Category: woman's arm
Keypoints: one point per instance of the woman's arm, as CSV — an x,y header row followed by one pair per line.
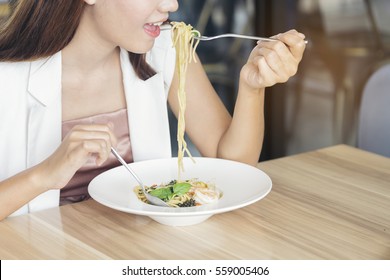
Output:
x,y
213,131
81,143
18,190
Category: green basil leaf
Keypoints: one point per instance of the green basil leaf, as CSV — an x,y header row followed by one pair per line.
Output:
x,y
181,188
161,193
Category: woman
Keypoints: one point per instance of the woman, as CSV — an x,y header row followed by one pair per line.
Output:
x,y
76,81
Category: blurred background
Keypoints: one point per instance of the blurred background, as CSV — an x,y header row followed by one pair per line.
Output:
x,y
319,106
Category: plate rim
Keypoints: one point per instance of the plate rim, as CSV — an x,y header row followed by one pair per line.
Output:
x,y
211,209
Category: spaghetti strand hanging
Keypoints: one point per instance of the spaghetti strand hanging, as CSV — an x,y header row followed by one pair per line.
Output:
x,y
185,45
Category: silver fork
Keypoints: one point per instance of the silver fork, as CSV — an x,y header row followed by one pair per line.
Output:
x,y
168,26
209,38
152,199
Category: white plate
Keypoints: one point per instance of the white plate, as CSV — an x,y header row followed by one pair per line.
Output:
x,y
241,185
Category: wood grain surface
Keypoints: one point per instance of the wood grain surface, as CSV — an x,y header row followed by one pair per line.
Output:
x,y
332,203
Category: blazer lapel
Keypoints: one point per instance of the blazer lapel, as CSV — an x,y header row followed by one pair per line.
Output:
x,y
44,119
45,80
147,113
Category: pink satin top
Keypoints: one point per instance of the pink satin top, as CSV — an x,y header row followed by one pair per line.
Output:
x,y
77,188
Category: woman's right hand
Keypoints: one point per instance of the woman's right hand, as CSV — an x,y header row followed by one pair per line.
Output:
x,y
80,144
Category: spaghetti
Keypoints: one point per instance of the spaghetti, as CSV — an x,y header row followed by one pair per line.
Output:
x,y
189,192
182,194
185,45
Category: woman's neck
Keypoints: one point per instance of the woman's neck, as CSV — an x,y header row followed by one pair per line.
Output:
x,y
91,70
88,51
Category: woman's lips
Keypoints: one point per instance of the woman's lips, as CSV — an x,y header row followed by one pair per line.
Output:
x,y
152,30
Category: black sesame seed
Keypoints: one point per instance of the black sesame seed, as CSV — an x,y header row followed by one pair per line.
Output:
x,y
188,203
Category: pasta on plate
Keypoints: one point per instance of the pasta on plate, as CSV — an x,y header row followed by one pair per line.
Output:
x,y
182,194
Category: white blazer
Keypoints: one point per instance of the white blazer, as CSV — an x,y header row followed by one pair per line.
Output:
x,y
31,118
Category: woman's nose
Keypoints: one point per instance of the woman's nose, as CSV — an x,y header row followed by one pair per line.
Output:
x,y
169,6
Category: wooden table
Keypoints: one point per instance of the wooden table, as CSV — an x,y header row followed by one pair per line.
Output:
x,y
333,203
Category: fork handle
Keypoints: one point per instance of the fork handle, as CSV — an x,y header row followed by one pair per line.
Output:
x,y
123,162
248,37
232,35
206,38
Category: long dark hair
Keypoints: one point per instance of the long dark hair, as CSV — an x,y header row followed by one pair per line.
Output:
x,y
41,28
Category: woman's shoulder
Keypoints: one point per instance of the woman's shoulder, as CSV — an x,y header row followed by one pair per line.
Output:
x,y
13,71
12,66
15,74
18,66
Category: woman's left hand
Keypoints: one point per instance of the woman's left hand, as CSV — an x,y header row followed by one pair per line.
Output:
x,y
273,62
